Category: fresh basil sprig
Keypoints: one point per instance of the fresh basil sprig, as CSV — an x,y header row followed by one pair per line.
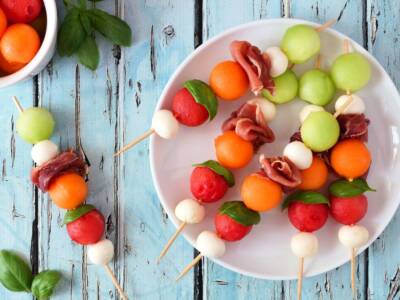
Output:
x,y
16,275
346,188
220,170
305,197
73,214
203,95
77,32
240,213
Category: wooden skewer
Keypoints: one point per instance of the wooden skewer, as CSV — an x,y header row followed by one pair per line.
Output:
x,y
318,61
346,46
324,26
135,141
353,272
115,282
171,241
189,266
349,100
17,104
300,278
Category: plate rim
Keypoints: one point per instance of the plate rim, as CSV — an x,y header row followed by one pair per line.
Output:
x,y
159,105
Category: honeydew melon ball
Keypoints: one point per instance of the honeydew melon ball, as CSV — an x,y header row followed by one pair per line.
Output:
x,y
300,43
350,71
320,131
35,124
286,87
316,87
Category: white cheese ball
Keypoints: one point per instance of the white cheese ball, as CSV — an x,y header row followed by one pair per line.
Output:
x,y
267,108
299,154
43,151
190,211
210,245
165,124
355,105
353,236
306,110
304,244
279,61
100,253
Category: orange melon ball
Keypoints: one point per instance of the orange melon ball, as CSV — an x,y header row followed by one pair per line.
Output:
x,y
350,158
8,68
232,151
315,176
68,191
260,193
228,80
20,43
3,22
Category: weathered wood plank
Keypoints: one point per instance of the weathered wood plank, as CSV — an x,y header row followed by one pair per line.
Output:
x,y
383,42
163,37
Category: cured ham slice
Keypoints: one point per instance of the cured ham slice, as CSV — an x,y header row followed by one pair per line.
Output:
x,y
281,170
353,126
256,65
66,162
249,123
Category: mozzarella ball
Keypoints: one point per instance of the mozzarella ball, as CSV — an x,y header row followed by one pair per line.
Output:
x,y
279,61
306,110
267,108
299,154
190,211
353,236
304,244
210,245
165,124
43,151
100,253
355,105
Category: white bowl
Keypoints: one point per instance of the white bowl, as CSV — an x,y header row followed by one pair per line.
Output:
x,y
265,252
45,52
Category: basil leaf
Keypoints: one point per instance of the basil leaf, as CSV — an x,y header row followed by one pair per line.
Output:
x,y
240,213
15,274
345,188
112,27
71,33
76,213
88,53
203,95
44,283
305,197
220,170
85,21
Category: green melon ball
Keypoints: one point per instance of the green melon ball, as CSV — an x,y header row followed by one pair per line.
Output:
x,y
320,131
300,43
350,71
286,86
35,124
316,87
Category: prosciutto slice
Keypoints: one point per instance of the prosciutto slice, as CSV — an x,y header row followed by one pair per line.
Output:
x,y
256,65
249,123
353,126
67,162
281,170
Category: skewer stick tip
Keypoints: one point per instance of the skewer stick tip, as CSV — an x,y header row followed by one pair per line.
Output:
x,y
300,278
17,104
170,242
326,25
115,282
189,266
134,142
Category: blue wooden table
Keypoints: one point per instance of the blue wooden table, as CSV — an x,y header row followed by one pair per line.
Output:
x,y
102,110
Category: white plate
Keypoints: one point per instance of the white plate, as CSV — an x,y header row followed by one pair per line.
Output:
x,y
265,252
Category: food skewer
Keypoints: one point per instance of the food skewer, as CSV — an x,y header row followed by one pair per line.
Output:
x,y
326,25
188,211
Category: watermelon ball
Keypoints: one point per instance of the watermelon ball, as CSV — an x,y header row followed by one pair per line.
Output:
x,y
206,185
348,210
187,111
230,230
307,217
87,228
21,11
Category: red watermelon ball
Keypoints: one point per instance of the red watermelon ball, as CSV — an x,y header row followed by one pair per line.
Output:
x,y
350,210
206,185
88,229
21,11
307,217
230,230
187,111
